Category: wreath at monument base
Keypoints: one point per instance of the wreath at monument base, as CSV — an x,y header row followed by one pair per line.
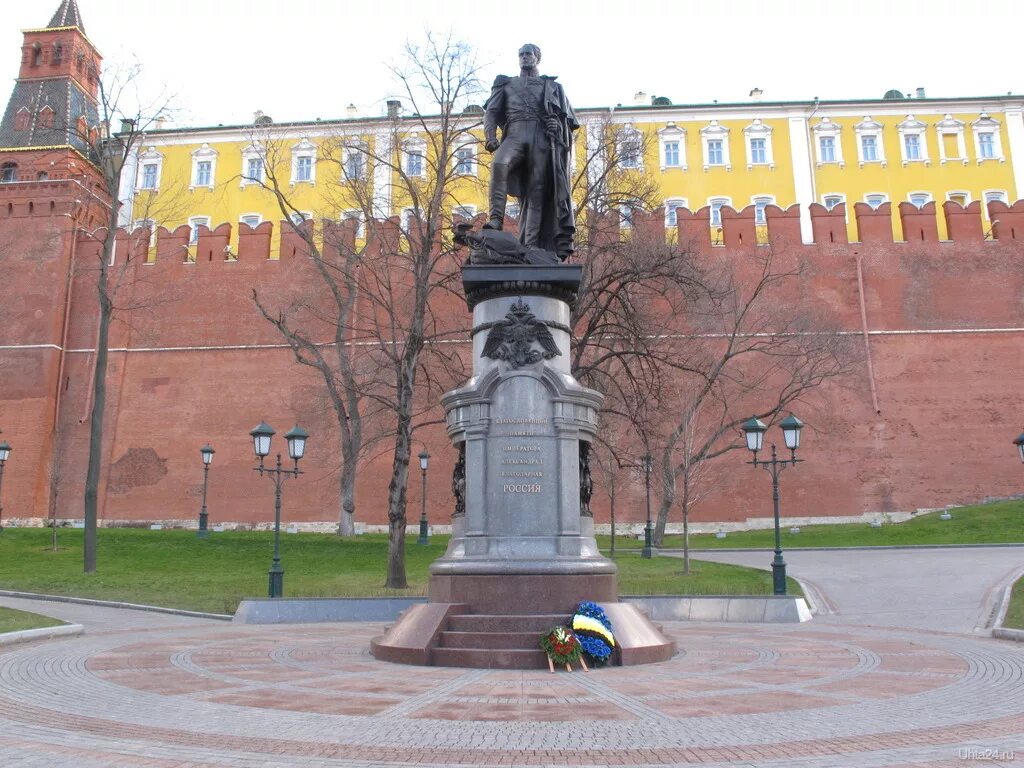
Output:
x,y
589,638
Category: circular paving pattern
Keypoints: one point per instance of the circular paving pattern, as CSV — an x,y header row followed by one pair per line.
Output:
x,y
817,694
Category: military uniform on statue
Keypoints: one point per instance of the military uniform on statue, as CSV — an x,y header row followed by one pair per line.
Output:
x,y
522,554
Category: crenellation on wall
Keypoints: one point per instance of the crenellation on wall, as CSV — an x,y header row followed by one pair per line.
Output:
x,y
963,223
738,227
874,225
919,222
1007,220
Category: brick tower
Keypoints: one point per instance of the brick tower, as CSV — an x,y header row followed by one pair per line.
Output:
x,y
50,192
52,112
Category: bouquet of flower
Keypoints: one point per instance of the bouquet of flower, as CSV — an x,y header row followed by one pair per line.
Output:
x,y
561,645
594,632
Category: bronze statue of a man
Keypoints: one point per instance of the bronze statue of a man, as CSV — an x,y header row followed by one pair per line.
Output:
x,y
531,162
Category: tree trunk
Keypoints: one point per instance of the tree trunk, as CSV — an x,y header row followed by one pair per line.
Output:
x,y
397,489
346,517
668,496
686,524
99,401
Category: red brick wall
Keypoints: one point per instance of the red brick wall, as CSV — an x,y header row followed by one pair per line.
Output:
x,y
196,363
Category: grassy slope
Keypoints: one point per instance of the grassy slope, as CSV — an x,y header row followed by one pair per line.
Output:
x,y
1015,612
15,621
175,569
1001,522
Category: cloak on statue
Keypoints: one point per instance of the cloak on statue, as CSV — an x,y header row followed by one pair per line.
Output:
x,y
558,225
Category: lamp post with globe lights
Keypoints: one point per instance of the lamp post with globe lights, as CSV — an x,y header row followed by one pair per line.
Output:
x,y
754,430
207,453
424,532
296,437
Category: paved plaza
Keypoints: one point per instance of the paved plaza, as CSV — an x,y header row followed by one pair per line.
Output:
x,y
147,689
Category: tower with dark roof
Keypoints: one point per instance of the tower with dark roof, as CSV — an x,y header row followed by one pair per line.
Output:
x,y
53,108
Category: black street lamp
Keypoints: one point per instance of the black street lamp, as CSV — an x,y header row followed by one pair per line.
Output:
x,y
5,451
296,438
648,551
207,453
424,461
754,430
1019,442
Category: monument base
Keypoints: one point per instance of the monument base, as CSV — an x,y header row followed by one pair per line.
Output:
x,y
523,593
487,621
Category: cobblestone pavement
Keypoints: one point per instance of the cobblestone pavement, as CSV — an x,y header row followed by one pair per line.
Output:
x,y
144,689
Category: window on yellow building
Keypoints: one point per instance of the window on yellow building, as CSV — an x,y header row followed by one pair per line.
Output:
x,y
251,220
912,146
875,200
869,148
961,198
760,203
919,199
831,201
716,204
671,154
672,140
987,145
356,216
671,208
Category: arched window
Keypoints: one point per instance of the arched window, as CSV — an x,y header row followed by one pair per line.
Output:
x,y
58,54
37,54
8,172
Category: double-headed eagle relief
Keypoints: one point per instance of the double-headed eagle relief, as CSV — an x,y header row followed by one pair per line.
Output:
x,y
513,338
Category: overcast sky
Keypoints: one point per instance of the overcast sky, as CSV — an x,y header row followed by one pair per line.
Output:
x,y
303,59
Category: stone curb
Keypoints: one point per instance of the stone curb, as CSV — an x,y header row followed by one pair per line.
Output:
x,y
998,630
26,635
114,604
765,609
839,549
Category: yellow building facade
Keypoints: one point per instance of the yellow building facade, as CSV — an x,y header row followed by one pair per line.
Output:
x,y
755,153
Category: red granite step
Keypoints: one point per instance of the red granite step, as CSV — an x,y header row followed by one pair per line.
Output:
x,y
491,640
478,622
484,658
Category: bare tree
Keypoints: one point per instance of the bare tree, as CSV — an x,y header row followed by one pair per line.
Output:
x,y
751,345
119,104
389,279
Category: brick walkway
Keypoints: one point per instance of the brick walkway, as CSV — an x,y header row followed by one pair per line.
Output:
x,y
144,689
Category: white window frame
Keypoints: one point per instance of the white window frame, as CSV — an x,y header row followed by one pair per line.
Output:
x,y
825,197
959,192
672,205
350,150
513,210
870,127
946,126
414,146
767,200
244,216
672,133
723,201
205,154
305,149
408,214
919,193
193,225
629,136
151,223
758,130
150,158
711,132
985,124
827,129
467,212
354,214
1003,197
253,152
300,217
883,201
909,127
473,160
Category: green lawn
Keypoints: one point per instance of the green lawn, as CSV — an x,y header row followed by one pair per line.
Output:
x,y
998,523
1015,612
178,570
15,621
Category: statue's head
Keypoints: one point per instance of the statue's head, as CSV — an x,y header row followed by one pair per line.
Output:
x,y
529,56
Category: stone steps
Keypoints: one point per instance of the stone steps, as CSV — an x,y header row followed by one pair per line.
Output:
x,y
491,640
479,622
482,658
